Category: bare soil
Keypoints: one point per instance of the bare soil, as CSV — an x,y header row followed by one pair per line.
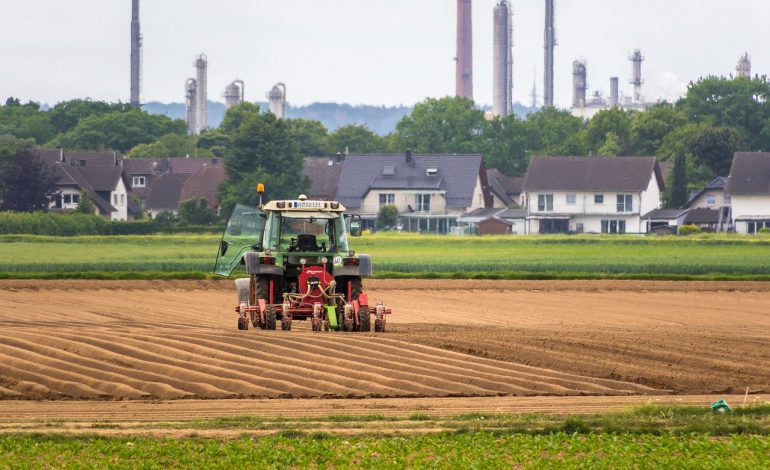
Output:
x,y
116,340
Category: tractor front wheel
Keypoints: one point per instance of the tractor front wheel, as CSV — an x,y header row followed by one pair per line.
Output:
x,y
269,317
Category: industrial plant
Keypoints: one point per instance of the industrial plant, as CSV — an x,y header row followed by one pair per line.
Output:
x,y
585,107
502,90
464,59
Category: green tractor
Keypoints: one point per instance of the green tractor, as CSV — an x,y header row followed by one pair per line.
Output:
x,y
300,267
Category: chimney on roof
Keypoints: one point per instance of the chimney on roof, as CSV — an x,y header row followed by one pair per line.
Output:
x,y
340,157
409,157
61,155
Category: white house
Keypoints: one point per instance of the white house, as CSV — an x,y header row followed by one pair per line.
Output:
x,y
591,194
749,190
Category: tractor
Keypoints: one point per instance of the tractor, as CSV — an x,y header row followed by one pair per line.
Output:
x,y
299,267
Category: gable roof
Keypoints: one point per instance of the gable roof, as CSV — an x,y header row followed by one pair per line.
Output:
x,y
102,178
324,175
139,166
166,191
717,184
750,174
592,174
702,216
80,159
72,175
189,165
205,183
664,214
456,175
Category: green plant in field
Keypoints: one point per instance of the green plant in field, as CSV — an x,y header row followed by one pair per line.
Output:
x,y
688,230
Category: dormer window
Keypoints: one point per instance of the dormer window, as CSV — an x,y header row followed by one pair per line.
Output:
x,y
431,172
139,181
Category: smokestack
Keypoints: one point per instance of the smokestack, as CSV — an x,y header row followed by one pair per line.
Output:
x,y
201,93
614,91
579,84
550,43
464,72
636,74
191,107
502,88
136,55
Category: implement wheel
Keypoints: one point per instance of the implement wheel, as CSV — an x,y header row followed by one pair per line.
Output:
x,y
364,320
285,323
269,317
243,324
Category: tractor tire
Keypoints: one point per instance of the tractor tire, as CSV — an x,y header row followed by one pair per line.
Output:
x,y
379,327
364,320
285,324
243,324
356,287
269,317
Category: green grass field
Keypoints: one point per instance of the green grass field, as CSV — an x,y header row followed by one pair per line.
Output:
x,y
532,257
648,437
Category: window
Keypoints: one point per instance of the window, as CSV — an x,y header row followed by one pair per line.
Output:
x,y
545,202
579,227
422,202
67,199
711,200
139,181
598,198
122,198
76,198
625,203
387,199
571,198
613,226
114,198
431,172
755,227
728,199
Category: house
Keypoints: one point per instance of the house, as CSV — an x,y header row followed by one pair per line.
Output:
x,y
492,221
165,193
204,184
591,194
430,191
506,190
749,190
664,221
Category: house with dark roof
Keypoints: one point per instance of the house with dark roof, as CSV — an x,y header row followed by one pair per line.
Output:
x,y
749,190
591,194
430,191
324,175
506,190
204,184
99,174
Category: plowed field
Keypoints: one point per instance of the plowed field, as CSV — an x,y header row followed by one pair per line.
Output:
x,y
171,340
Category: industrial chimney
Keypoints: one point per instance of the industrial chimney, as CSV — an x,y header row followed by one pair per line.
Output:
x,y
636,74
190,103
579,84
277,100
464,66
614,91
502,90
201,93
550,44
136,55
744,66
234,93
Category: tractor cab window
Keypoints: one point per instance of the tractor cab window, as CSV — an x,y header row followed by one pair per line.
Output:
x,y
306,232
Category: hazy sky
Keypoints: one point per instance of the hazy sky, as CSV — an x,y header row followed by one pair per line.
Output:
x,y
363,51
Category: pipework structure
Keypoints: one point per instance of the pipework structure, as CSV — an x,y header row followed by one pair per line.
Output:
x,y
614,91
277,100
636,74
502,87
579,83
464,58
550,44
201,96
234,93
744,66
190,105
136,56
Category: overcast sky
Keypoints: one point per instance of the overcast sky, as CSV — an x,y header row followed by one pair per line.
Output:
x,y
363,51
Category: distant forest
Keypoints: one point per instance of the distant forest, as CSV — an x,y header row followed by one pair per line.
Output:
x,y
380,119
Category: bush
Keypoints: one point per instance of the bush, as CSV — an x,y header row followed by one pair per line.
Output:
x,y
765,230
387,217
689,230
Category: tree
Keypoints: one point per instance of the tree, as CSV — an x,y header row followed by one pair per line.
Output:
x,y
446,125
679,195
170,145
742,104
714,147
261,151
196,212
648,129
26,184
67,114
86,204
26,121
552,132
355,139
505,145
213,141
309,135
611,121
611,146
387,217
119,131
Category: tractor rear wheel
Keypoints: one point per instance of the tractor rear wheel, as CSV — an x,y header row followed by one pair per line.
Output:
x,y
364,320
269,317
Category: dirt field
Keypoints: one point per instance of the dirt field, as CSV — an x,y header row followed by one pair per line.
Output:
x,y
171,340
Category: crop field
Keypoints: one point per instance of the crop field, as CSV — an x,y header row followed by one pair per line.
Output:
x,y
553,257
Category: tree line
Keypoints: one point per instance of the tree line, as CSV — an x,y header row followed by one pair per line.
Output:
x,y
717,117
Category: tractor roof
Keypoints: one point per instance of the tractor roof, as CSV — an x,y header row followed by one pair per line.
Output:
x,y
301,205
